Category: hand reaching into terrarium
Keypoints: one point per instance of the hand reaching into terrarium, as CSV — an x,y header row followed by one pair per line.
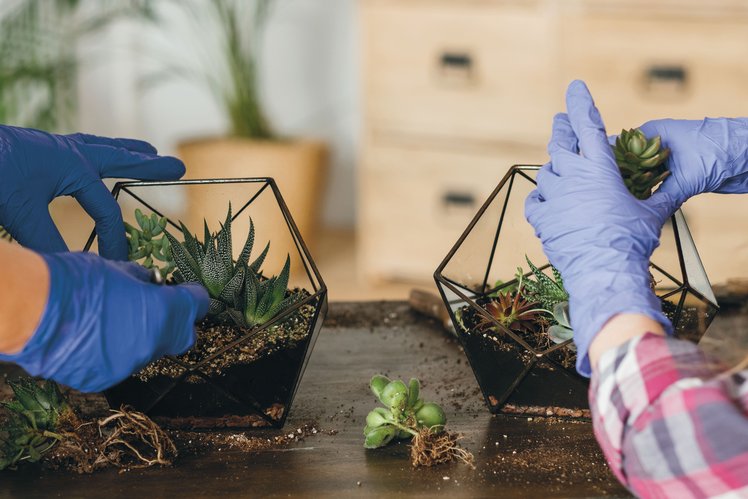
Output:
x,y
88,322
36,167
594,231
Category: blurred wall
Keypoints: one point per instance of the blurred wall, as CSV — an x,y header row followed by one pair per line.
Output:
x,y
309,82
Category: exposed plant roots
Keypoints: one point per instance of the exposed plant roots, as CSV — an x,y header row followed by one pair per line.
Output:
x,y
125,439
429,449
135,440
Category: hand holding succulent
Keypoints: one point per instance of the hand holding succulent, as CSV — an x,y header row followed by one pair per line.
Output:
x,y
641,161
404,414
148,243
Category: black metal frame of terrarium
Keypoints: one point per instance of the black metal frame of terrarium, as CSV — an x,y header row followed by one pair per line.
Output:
x,y
252,394
515,375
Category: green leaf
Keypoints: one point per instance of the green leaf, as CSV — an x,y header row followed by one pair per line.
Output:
x,y
414,391
378,417
248,244
377,384
379,437
431,416
395,394
188,267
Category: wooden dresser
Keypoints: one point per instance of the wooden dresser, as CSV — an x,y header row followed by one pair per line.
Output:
x,y
455,92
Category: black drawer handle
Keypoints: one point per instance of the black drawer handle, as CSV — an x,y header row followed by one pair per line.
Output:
x,y
674,74
456,60
458,199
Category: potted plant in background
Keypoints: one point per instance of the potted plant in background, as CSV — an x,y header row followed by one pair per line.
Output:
x,y
252,348
230,70
512,317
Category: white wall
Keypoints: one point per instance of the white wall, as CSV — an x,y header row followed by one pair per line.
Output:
x,y
309,83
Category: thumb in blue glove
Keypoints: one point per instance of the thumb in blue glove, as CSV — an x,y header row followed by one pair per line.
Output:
x,y
104,320
37,167
709,155
598,235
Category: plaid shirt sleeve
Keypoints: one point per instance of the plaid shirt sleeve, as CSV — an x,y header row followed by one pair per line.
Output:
x,y
670,423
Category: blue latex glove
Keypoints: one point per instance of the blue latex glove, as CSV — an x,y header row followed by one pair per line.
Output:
x,y
709,155
104,320
598,235
36,167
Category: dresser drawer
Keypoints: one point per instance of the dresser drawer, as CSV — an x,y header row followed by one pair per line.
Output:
x,y
640,69
477,70
415,202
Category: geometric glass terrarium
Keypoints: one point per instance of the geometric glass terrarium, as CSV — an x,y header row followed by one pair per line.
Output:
x,y
234,376
525,371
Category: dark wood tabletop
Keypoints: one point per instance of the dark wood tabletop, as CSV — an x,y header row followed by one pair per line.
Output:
x,y
514,457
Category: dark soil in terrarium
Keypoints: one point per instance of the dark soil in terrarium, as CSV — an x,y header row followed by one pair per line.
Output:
x,y
254,375
551,386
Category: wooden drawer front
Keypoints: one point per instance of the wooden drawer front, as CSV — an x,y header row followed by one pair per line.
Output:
x,y
415,203
640,69
459,70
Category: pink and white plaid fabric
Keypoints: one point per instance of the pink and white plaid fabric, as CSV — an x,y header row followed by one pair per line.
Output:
x,y
670,423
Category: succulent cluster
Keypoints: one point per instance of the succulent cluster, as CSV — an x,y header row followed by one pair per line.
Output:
x,y
404,414
148,244
641,161
239,293
33,416
513,311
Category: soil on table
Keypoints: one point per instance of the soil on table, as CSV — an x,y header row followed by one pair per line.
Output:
x,y
235,375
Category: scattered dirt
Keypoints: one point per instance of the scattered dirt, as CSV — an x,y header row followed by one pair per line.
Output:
x,y
195,443
221,422
540,461
548,411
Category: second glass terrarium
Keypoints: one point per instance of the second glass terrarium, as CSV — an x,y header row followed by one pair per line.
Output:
x,y
235,375
525,370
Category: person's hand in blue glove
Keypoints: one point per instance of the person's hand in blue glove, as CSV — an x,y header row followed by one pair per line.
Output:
x,y
593,230
709,155
36,167
100,321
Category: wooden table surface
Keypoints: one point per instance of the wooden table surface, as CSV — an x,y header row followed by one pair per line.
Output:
x,y
515,457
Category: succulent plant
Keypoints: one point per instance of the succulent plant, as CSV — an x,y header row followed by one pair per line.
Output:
x,y
561,331
34,413
543,289
513,311
641,161
404,414
148,244
239,293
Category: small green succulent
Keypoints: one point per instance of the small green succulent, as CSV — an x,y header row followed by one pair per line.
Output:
x,y
641,161
561,331
34,412
148,243
543,289
404,413
239,293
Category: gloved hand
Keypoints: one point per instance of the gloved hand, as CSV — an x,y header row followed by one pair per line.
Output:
x,y
36,167
104,320
598,235
709,155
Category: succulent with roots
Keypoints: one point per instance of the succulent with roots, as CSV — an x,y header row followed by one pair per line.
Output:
x,y
641,161
239,293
